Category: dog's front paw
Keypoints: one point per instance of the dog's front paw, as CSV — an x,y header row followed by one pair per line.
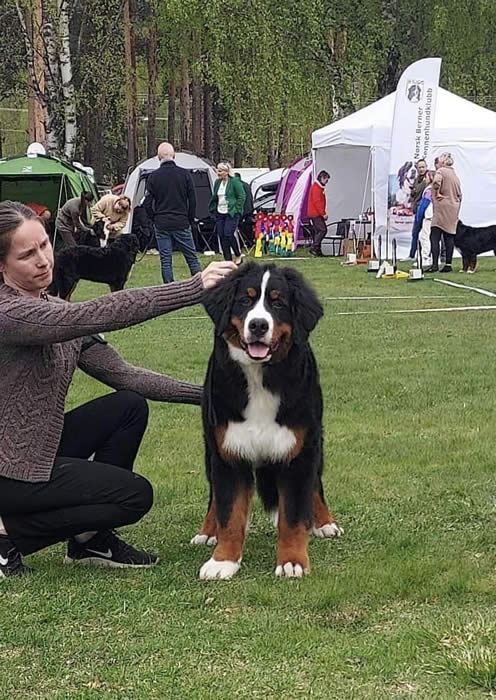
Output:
x,y
219,569
328,530
290,570
204,539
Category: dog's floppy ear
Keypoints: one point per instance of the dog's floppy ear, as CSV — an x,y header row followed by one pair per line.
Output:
x,y
306,308
219,300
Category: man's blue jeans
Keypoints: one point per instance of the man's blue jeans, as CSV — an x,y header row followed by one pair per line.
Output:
x,y
184,242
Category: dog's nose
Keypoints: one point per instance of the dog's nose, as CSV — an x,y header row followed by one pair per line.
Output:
x,y
258,327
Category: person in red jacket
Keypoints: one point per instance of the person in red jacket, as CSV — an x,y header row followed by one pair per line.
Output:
x,y
317,211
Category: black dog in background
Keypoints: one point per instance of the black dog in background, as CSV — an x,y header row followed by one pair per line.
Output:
x,y
143,229
94,237
472,241
110,265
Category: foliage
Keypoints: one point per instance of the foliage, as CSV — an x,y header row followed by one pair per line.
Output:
x,y
12,63
275,70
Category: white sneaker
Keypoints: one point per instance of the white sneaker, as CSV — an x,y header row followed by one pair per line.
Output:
x,y
461,270
409,259
470,272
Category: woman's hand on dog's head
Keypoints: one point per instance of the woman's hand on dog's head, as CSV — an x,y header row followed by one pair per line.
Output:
x,y
215,272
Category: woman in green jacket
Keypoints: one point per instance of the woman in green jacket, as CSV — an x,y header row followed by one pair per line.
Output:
x,y
227,204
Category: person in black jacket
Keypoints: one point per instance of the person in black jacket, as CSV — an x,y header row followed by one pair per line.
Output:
x,y
170,203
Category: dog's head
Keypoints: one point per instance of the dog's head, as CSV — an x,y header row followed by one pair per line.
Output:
x,y
99,230
261,311
129,242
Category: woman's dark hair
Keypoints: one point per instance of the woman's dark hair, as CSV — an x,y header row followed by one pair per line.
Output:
x,y
12,215
86,198
323,173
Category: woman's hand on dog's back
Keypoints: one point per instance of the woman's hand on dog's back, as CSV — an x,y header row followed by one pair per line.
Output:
x,y
215,272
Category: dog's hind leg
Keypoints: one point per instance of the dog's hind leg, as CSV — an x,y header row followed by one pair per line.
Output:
x,y
267,490
324,523
208,530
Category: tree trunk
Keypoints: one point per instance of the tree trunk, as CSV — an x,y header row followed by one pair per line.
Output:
x,y
131,98
217,118
36,77
152,88
196,95
238,156
93,131
34,40
185,107
171,113
272,155
54,130
69,93
207,122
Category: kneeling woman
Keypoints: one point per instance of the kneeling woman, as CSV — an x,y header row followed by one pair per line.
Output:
x,y
50,490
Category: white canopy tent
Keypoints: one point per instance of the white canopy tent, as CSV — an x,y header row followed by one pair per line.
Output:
x,y
202,171
355,151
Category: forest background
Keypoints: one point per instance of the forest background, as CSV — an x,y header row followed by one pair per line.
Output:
x,y
103,81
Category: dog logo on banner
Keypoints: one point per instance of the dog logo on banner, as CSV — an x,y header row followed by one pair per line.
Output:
x,y
415,90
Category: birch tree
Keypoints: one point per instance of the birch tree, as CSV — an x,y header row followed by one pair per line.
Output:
x,y
67,83
46,32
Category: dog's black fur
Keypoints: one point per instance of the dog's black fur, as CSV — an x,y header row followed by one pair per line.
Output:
x,y
472,241
110,265
143,229
94,237
289,372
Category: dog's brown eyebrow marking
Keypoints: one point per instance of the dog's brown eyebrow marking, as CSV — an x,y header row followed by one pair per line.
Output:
x,y
274,294
251,292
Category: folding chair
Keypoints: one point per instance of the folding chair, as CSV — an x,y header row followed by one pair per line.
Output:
x,y
332,243
308,233
202,236
242,242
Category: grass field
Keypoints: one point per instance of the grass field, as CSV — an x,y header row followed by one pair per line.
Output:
x,y
402,606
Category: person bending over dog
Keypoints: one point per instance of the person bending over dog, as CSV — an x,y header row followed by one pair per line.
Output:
x,y
74,222
50,490
113,211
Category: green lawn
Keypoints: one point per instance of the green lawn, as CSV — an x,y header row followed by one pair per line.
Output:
x,y
402,606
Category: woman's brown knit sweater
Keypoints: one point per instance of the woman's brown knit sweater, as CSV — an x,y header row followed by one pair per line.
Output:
x,y
42,341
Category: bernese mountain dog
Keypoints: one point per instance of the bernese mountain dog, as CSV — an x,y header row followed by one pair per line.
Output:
x,y
472,241
262,418
110,265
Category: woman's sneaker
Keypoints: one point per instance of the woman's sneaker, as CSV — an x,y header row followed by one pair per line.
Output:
x,y
106,549
11,563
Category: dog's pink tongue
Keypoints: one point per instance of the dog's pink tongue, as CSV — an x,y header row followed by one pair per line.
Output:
x,y
258,351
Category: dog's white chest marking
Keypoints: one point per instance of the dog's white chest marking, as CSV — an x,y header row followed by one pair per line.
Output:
x,y
259,437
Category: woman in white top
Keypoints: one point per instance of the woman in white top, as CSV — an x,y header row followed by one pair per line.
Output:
x,y
227,205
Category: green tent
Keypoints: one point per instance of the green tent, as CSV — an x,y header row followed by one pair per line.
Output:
x,y
42,180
